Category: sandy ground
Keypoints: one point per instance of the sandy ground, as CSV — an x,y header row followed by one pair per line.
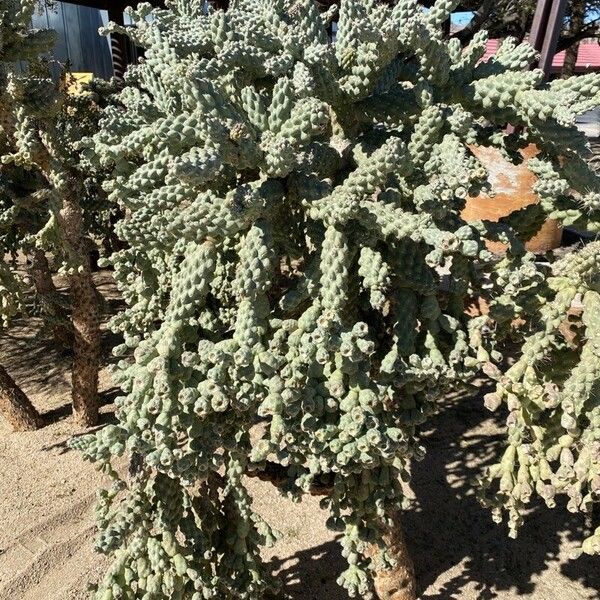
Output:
x,y
47,494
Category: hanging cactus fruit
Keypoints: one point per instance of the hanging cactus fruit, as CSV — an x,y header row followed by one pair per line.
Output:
x,y
290,204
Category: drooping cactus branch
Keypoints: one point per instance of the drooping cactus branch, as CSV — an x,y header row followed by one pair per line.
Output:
x,y
551,392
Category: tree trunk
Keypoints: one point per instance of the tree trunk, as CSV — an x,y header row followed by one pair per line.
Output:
x,y
568,68
85,309
15,406
577,23
45,288
397,583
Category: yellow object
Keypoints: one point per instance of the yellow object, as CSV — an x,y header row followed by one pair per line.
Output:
x,y
75,82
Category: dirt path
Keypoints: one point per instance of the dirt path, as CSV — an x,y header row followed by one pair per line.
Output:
x,y
47,494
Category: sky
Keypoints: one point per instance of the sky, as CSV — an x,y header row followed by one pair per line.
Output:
x,y
461,18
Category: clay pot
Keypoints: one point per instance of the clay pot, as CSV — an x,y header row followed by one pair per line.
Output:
x,y
512,185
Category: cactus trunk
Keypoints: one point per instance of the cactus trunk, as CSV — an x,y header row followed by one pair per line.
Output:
x,y
45,288
15,406
399,582
395,583
85,315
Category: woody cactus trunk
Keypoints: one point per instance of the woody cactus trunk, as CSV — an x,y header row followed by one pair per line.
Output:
x,y
42,188
15,406
296,274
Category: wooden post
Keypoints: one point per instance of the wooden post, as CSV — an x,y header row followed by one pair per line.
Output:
x,y
545,30
555,19
540,23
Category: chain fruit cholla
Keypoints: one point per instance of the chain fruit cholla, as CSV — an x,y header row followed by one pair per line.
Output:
x,y
290,202
43,199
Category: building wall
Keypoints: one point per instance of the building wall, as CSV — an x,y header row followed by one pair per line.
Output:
x,y
78,43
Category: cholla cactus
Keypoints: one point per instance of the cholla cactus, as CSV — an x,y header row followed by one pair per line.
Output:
x,y
19,197
41,186
19,189
290,204
551,394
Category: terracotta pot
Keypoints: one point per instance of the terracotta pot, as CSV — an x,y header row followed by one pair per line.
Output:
x,y
512,185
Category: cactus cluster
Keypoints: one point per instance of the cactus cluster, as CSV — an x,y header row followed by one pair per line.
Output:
x,y
23,199
296,271
40,123
551,394
45,195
